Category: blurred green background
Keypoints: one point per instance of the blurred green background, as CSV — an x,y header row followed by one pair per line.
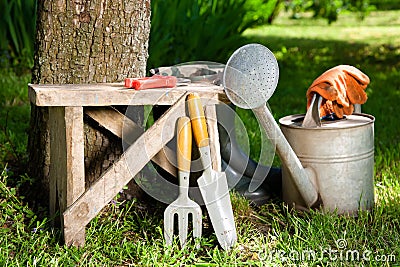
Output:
x,y
180,27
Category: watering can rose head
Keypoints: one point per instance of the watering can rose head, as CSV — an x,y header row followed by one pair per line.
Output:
x,y
340,87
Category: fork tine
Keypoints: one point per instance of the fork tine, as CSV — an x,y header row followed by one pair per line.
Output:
x,y
197,222
168,226
183,227
197,226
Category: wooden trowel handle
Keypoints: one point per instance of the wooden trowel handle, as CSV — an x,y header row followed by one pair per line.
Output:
x,y
198,119
184,147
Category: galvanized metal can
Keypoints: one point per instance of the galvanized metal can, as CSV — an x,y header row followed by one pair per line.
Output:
x,y
341,155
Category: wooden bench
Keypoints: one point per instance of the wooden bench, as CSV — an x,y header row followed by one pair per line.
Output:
x,y
78,206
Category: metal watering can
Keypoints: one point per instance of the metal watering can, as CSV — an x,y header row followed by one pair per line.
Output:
x,y
341,155
332,163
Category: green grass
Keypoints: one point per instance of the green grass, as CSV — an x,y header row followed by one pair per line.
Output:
x,y
130,232
14,117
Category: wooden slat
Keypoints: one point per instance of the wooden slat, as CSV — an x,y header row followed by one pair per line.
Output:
x,y
115,94
57,140
79,214
67,168
166,159
212,126
116,123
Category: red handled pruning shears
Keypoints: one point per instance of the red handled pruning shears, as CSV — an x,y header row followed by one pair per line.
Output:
x,y
155,81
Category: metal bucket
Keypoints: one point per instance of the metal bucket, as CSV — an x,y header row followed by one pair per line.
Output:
x,y
341,153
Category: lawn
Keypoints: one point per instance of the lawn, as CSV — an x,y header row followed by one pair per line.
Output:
x,y
130,232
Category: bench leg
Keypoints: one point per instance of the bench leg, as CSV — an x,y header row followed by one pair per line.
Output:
x,y
67,168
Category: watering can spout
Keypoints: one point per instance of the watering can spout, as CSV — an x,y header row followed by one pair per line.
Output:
x,y
303,178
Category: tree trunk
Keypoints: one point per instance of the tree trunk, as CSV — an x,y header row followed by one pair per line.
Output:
x,y
85,41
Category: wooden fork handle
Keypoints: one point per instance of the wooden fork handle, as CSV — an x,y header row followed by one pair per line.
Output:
x,y
184,144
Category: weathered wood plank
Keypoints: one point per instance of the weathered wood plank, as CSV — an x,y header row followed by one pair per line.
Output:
x,y
166,159
57,141
212,126
113,120
67,169
117,123
79,214
115,94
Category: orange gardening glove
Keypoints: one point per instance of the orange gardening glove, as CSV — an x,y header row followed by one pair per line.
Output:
x,y
340,87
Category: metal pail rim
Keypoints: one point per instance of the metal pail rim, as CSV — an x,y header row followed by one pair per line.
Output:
x,y
350,121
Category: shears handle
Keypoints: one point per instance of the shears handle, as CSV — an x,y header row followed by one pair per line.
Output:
x,y
156,81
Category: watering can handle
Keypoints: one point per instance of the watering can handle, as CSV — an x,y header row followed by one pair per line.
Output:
x,y
312,118
302,177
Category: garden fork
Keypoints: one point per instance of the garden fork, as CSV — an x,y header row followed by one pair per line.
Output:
x,y
183,206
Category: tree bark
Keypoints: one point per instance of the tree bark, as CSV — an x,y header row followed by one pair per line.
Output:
x,y
85,41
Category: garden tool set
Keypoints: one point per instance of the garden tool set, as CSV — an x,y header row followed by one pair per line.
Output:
x,y
212,184
326,154
243,173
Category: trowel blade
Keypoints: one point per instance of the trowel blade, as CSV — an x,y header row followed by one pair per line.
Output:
x,y
219,207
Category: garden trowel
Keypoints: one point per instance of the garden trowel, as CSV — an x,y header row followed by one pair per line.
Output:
x,y
212,184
